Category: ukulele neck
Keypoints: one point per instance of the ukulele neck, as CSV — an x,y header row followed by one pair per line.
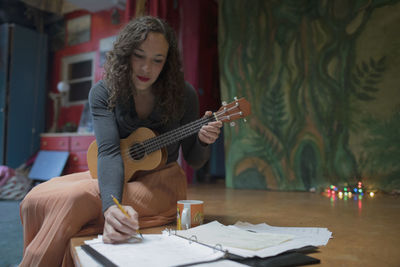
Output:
x,y
168,138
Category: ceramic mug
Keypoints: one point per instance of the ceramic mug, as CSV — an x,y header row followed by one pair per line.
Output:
x,y
189,213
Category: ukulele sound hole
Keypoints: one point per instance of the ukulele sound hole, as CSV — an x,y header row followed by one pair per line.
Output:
x,y
137,151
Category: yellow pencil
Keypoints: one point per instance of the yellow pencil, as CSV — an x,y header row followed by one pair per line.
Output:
x,y
123,211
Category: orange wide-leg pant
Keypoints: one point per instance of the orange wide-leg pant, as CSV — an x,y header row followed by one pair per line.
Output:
x,y
70,206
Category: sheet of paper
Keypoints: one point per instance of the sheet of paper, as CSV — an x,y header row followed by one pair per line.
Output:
x,y
302,236
315,236
214,233
155,250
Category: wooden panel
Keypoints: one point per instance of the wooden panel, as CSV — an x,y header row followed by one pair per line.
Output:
x,y
27,94
81,143
54,143
3,87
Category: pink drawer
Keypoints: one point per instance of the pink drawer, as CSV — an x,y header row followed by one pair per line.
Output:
x,y
54,143
77,158
81,143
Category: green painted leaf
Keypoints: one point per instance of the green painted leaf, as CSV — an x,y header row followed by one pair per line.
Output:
x,y
365,97
370,89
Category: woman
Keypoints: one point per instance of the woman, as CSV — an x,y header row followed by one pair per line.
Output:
x,y
143,86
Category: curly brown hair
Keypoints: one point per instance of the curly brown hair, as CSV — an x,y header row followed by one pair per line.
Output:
x,y
169,86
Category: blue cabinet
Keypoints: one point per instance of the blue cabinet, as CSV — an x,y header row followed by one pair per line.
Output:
x,y
23,66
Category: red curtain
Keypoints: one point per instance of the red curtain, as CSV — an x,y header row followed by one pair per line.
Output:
x,y
196,24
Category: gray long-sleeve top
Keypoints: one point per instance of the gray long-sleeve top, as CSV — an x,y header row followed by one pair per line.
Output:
x,y
112,125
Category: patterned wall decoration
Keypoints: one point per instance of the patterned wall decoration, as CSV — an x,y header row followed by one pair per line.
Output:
x,y
323,80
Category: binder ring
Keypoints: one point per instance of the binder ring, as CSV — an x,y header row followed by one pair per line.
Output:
x,y
193,238
217,247
170,231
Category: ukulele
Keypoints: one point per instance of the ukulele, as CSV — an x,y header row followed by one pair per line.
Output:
x,y
144,150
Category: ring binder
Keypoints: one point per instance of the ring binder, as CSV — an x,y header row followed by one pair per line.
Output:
x,y
106,258
181,253
97,256
170,230
218,245
193,238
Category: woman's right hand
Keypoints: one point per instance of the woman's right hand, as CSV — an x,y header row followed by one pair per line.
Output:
x,y
117,227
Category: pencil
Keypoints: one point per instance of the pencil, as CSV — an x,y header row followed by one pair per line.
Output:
x,y
123,211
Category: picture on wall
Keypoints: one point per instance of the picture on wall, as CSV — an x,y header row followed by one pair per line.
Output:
x,y
78,30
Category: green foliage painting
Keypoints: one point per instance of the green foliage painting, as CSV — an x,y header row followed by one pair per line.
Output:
x,y
322,78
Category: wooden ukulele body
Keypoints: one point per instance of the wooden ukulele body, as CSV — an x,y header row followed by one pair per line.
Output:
x,y
131,166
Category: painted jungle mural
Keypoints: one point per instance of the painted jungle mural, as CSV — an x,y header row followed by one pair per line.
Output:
x,y
323,80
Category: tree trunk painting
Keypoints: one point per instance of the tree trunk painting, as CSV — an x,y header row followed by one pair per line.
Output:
x,y
303,67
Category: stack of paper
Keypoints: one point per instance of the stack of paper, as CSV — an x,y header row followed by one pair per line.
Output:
x,y
215,233
314,236
248,240
208,243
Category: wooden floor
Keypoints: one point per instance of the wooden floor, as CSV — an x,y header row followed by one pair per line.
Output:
x,y
365,232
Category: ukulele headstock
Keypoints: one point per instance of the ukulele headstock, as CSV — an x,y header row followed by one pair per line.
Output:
x,y
237,109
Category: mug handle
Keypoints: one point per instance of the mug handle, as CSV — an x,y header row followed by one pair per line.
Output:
x,y
185,219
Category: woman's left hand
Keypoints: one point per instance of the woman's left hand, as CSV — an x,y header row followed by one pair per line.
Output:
x,y
210,132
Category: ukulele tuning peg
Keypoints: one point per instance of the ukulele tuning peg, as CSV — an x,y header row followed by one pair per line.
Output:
x,y
232,124
224,103
244,120
236,99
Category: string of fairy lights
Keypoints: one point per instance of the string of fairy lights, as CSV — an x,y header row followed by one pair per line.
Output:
x,y
356,192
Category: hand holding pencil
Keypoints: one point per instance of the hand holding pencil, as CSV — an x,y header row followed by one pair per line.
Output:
x,y
124,212
121,223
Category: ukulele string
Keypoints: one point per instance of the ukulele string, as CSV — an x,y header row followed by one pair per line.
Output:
x,y
157,142
182,131
161,139
154,143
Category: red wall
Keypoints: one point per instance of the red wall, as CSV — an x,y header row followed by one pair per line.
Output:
x,y
196,25
101,27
